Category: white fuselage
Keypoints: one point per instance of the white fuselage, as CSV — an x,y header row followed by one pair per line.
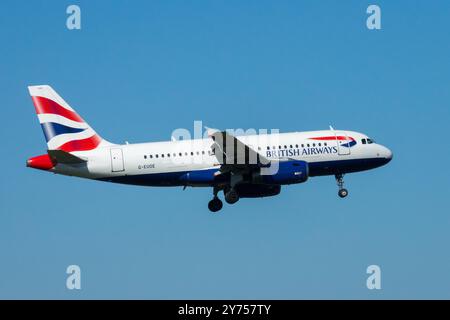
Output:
x,y
242,166
162,163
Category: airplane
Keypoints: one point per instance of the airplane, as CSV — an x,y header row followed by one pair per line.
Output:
x,y
246,166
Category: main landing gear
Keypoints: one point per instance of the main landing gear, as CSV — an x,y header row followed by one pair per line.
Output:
x,y
215,204
340,182
231,196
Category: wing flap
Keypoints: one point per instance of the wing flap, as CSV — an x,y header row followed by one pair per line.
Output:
x,y
234,155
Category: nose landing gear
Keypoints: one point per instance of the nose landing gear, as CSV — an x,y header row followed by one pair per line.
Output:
x,y
343,193
340,182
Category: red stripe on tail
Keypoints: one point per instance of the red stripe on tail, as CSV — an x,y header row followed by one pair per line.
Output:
x,y
44,105
81,145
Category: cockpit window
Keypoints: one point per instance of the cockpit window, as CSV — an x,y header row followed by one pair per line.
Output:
x,y
363,141
369,141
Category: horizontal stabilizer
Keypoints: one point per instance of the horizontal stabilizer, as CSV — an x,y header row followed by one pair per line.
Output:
x,y
60,156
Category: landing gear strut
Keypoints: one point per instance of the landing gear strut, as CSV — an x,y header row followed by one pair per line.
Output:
x,y
215,204
340,182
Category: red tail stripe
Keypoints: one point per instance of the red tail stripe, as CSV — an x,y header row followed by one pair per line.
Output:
x,y
44,105
81,145
332,138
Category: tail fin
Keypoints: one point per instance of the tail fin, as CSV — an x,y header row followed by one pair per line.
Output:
x,y
63,128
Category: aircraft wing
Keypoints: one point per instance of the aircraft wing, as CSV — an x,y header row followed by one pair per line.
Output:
x,y
233,154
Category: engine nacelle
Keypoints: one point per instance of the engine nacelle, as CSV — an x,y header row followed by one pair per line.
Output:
x,y
246,190
289,172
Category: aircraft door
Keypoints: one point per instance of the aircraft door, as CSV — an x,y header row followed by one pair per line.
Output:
x,y
117,164
342,143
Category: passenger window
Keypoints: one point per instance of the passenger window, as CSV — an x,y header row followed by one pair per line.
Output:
x,y
162,155
320,144
192,153
285,147
156,155
168,155
325,144
303,145
268,148
145,157
151,156
296,145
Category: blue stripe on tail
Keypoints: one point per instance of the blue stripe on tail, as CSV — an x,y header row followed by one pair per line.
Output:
x,y
52,129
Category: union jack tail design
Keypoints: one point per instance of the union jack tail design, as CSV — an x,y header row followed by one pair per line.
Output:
x,y
63,128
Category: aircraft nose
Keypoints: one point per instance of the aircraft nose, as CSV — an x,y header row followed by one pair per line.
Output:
x,y
386,153
389,154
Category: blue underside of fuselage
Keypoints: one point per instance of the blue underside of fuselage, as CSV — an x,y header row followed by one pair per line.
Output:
x,y
206,177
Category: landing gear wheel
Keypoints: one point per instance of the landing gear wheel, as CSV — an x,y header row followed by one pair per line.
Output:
x,y
215,205
231,196
343,193
340,182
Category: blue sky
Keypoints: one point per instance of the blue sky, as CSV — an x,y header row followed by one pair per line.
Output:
x,y
138,70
